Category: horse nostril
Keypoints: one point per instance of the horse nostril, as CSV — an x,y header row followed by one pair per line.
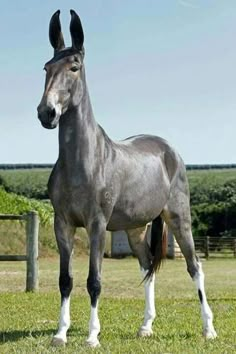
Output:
x,y
52,113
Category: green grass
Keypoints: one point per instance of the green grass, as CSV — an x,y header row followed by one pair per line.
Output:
x,y
196,177
28,321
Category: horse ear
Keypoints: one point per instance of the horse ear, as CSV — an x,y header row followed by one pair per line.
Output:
x,y
76,31
55,34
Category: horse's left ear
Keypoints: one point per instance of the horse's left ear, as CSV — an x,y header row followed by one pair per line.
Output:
x,y
76,31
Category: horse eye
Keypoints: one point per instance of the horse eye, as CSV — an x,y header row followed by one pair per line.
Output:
x,y
45,69
74,69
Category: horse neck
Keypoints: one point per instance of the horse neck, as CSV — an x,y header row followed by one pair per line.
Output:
x,y
79,136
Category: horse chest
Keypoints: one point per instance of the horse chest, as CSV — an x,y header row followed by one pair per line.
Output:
x,y
79,201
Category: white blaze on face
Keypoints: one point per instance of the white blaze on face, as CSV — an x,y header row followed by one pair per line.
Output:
x,y
53,102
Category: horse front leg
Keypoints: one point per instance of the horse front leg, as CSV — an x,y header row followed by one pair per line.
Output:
x,y
97,233
65,240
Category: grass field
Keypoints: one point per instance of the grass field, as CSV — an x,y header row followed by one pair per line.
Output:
x,y
28,321
218,176
33,182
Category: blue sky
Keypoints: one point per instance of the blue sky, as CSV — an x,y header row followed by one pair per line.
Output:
x,y
160,67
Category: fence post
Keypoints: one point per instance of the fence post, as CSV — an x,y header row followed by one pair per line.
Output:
x,y
32,228
234,247
207,247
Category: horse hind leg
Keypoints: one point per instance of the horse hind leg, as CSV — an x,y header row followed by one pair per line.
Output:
x,y
177,216
139,245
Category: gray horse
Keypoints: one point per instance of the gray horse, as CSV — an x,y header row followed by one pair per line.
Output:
x,y
102,185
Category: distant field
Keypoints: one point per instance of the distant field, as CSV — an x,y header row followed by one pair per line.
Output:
x,y
33,182
28,321
211,176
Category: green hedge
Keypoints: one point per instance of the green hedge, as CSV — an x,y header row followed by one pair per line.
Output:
x,y
11,203
214,209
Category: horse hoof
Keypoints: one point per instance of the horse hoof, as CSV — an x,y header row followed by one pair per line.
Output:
x,y
58,342
93,343
209,333
145,332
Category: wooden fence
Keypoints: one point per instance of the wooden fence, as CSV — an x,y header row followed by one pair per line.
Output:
x,y
206,247
212,247
31,257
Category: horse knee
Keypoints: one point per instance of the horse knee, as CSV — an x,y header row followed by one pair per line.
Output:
x,y
192,271
193,268
94,289
65,285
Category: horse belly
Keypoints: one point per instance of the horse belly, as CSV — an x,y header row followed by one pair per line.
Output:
x,y
138,209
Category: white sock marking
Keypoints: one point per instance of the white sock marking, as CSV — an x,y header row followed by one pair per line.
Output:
x,y
94,327
150,312
206,312
64,322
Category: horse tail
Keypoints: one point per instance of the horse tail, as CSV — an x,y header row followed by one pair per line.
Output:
x,y
158,246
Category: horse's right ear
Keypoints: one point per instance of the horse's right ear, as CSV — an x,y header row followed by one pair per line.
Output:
x,y
55,34
76,31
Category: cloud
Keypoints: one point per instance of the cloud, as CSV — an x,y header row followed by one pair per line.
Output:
x,y
188,3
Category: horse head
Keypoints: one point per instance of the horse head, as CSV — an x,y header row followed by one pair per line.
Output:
x,y
64,72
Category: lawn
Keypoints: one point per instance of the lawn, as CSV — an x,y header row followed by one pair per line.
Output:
x,y
28,321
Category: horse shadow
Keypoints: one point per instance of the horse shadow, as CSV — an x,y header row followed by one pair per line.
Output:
x,y
16,335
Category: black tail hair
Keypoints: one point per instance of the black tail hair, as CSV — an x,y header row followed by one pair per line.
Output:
x,y
158,245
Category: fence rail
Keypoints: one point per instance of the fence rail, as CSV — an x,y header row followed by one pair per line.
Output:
x,y
31,257
211,247
12,217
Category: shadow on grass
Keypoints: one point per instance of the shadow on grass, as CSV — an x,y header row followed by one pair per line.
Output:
x,y
132,336
180,336
14,336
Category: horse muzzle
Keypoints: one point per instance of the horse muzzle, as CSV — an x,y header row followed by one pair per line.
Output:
x,y
48,116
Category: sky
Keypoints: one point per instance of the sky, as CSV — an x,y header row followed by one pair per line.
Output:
x,y
166,68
